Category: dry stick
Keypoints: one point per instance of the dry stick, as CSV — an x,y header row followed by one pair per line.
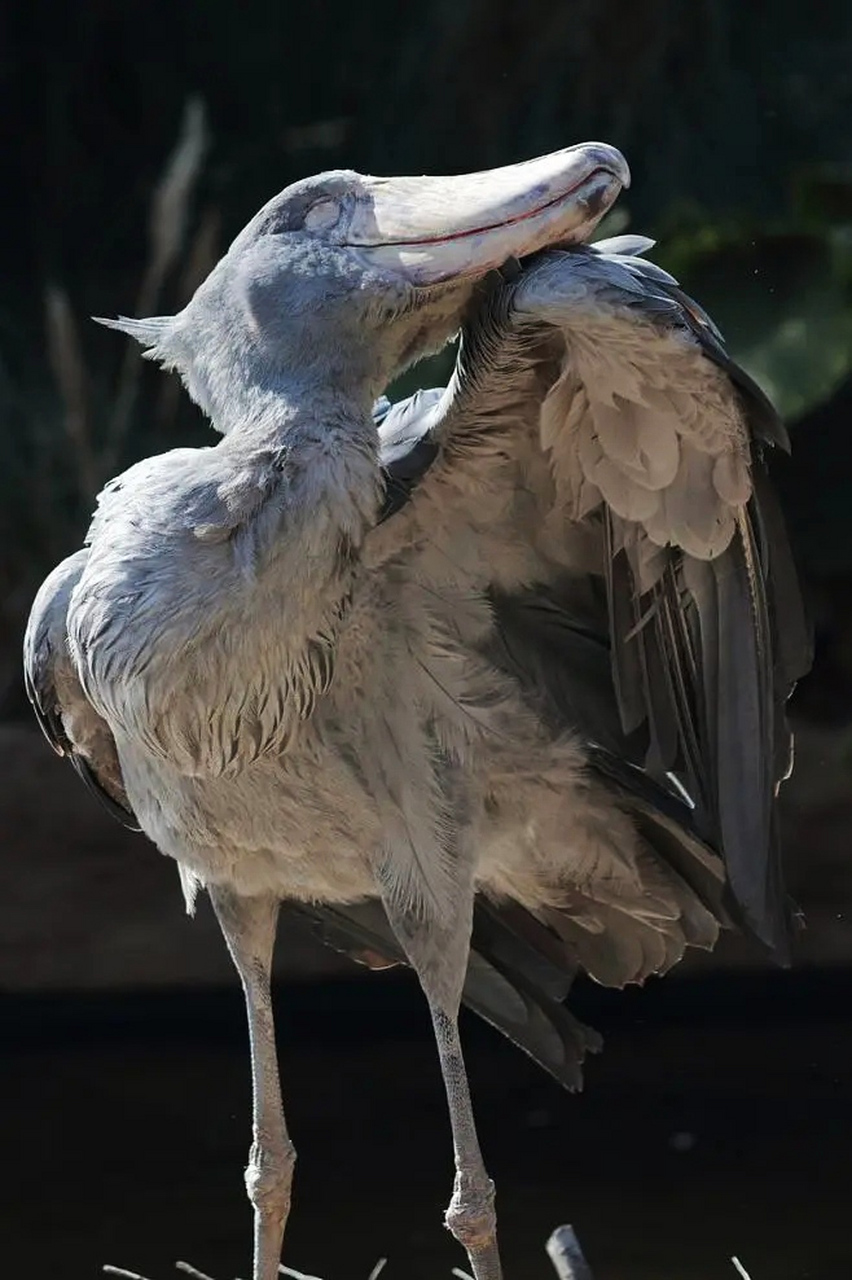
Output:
x,y
202,254
563,1249
191,1271
167,230
300,1275
69,370
186,1267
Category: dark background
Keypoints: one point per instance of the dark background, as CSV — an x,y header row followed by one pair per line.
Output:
x,y
135,140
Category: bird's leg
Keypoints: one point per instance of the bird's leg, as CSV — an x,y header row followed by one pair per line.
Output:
x,y
249,928
471,1215
439,954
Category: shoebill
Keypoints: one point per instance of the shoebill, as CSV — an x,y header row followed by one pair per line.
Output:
x,y
492,681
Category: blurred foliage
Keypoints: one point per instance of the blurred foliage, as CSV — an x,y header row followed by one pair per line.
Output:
x,y
67,424
781,291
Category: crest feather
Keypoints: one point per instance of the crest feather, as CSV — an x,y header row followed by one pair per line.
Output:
x,y
152,332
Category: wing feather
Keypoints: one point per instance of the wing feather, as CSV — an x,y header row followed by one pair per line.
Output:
x,y
707,626
652,441
68,720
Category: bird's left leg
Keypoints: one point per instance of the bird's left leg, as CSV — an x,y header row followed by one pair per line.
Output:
x,y
439,954
249,927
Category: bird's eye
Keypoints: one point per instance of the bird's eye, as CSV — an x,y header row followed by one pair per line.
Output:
x,y
322,215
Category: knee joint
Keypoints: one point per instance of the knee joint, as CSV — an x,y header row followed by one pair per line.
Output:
x,y
471,1216
269,1176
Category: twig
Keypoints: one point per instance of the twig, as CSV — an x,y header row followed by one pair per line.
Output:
x,y
191,1271
741,1269
202,254
296,1275
185,1267
563,1249
378,1269
69,369
167,231
170,202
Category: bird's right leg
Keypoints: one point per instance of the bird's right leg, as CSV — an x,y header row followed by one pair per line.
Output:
x,y
249,927
439,954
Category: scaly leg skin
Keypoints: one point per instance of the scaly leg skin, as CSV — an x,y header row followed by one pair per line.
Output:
x,y
249,927
439,954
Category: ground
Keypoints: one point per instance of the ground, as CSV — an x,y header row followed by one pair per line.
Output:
x,y
718,1121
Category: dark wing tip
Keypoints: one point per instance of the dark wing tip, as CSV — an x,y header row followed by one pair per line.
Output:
x,y
122,813
765,421
47,720
407,448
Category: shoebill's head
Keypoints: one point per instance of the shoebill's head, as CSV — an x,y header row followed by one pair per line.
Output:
x,y
342,280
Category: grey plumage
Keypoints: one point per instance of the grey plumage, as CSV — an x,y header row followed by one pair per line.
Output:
x,y
708,651
507,662
66,718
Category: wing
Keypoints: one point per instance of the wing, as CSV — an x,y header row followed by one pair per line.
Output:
x,y
408,444
657,441
674,663
68,720
460,452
